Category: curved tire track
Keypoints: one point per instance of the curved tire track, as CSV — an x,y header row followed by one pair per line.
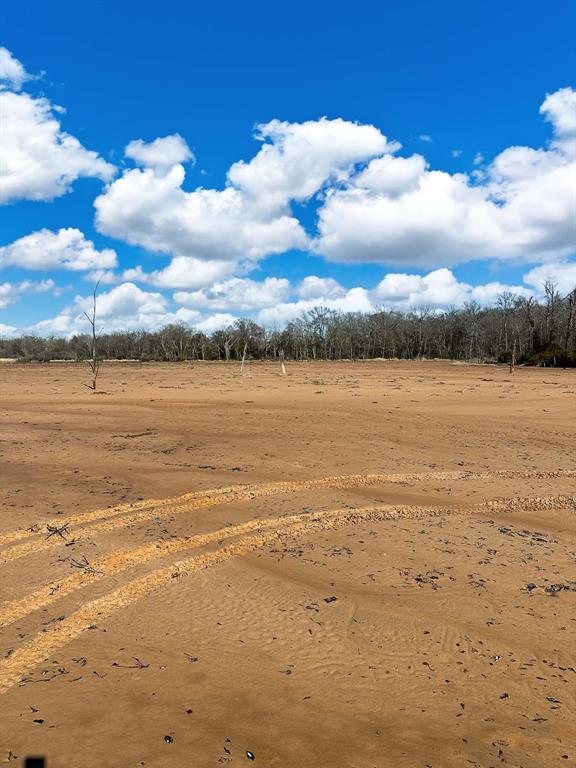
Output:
x,y
38,648
105,520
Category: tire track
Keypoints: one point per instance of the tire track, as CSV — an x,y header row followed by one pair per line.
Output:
x,y
214,494
122,560
125,515
38,648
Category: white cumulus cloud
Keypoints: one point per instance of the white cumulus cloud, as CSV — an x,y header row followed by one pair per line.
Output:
x,y
438,289
123,307
7,330
313,287
125,300
297,159
10,293
160,153
127,307
353,300
12,72
215,322
183,272
523,208
40,160
559,108
251,217
391,175
240,294
560,274
151,209
64,249
375,206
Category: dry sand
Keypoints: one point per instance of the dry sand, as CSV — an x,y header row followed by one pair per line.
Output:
x,y
359,564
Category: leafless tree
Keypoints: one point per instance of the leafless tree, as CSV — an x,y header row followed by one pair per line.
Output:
x,y
513,357
505,302
94,362
243,358
571,299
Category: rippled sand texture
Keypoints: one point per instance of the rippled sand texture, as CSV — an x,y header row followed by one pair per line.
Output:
x,y
358,564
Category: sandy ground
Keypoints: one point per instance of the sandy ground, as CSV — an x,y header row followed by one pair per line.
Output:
x,y
359,564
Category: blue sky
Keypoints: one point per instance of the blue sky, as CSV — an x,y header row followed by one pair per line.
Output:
x,y
343,222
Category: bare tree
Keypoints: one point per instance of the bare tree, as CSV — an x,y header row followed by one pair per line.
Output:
x,y
94,362
571,298
243,358
552,308
513,357
505,302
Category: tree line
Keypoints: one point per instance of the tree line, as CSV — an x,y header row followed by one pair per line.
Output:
x,y
515,330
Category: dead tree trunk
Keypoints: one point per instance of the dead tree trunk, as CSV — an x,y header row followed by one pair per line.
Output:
x,y
571,305
513,357
94,363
